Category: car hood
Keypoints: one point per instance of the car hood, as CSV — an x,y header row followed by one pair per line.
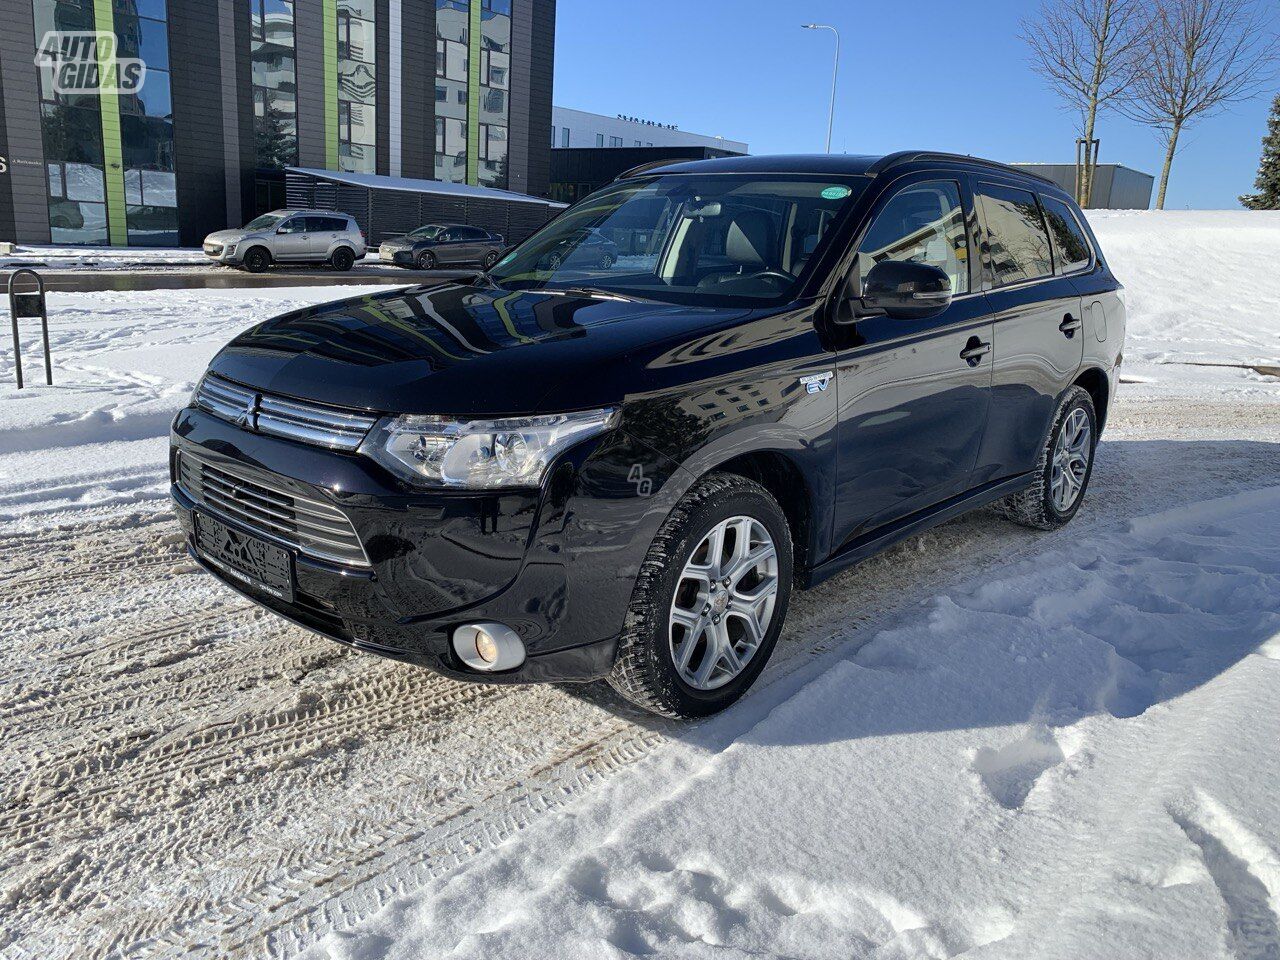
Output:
x,y
466,351
226,236
396,242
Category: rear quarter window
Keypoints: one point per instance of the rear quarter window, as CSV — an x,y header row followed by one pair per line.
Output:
x,y
1071,250
1017,240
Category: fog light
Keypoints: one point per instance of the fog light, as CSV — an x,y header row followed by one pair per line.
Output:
x,y
490,647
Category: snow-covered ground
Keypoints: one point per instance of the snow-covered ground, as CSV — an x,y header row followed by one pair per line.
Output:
x,y
986,742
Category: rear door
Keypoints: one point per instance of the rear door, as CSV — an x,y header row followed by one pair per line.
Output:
x,y
1036,313
913,394
323,232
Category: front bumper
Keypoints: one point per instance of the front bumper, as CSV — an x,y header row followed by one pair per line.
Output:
x,y
557,565
222,253
401,256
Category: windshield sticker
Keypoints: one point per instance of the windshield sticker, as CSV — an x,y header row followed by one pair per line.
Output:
x,y
836,193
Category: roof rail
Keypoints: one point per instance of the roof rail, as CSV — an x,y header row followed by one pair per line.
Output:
x,y
646,167
912,156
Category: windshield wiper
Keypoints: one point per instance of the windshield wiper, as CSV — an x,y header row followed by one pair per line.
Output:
x,y
591,292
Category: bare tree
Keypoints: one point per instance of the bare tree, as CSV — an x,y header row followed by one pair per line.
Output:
x,y
1089,51
1201,56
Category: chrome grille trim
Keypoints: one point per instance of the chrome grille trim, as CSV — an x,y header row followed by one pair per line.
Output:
x,y
310,526
277,416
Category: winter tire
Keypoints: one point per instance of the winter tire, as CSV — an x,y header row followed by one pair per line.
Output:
x,y
607,262
490,260
1063,470
426,260
257,259
343,259
709,602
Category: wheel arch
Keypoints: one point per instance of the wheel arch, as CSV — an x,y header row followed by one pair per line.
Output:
x,y
783,477
1094,381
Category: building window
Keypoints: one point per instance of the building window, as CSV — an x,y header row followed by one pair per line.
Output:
x,y
564,137
453,36
599,139
357,86
72,133
495,79
275,86
615,141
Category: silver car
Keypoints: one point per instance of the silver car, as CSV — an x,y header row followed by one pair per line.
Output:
x,y
289,236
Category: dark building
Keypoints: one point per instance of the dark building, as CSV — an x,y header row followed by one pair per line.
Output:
x,y
578,171
185,122
1115,187
392,206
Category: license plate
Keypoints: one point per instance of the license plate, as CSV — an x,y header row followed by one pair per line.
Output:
x,y
386,254
249,560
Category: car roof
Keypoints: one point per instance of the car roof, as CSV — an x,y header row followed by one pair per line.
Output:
x,y
862,165
318,213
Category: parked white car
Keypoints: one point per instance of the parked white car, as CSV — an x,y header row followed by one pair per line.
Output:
x,y
289,236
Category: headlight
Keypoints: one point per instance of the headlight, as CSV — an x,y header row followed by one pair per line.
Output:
x,y
480,454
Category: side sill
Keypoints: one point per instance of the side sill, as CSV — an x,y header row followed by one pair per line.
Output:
x,y
869,545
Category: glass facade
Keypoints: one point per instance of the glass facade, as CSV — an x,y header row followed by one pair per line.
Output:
x,y
453,40
85,122
495,82
275,82
357,86
146,126
71,122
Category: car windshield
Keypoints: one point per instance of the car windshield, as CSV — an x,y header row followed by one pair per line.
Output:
x,y
711,239
425,233
264,222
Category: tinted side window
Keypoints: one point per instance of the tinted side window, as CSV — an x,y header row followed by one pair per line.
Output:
x,y
1016,235
923,223
294,225
472,233
1071,250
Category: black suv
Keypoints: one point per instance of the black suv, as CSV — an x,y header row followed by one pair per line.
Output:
x,y
443,244
574,473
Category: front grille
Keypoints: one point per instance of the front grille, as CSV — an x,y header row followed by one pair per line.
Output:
x,y
310,526
299,420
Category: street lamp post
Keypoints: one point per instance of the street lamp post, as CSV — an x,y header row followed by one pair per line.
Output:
x,y
835,74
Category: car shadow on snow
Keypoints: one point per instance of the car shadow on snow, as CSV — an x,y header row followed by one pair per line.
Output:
x,y
1159,586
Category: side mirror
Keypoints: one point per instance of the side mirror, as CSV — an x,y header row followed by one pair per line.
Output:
x,y
903,290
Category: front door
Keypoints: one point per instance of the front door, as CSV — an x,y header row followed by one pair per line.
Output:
x,y
293,240
1036,313
913,394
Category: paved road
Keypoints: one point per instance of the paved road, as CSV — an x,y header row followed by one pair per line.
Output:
x,y
199,276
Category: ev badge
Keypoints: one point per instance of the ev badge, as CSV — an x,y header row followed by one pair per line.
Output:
x,y
816,383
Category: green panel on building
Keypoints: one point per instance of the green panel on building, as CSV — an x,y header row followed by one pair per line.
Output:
x,y
112,149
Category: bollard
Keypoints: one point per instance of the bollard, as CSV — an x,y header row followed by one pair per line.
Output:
x,y
30,303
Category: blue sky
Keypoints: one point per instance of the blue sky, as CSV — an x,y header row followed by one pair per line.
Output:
x,y
908,71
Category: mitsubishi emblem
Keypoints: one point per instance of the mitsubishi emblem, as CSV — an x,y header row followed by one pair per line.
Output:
x,y
248,417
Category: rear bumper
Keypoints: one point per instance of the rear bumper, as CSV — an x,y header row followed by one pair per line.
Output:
x,y
539,561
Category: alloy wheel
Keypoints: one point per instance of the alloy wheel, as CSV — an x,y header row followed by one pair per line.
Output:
x,y
724,602
1071,455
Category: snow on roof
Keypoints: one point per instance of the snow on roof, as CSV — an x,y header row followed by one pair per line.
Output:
x,y
461,190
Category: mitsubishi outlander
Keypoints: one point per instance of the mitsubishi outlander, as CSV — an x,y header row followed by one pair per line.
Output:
x,y
561,470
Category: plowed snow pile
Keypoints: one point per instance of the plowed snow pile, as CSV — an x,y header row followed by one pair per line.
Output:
x,y
986,742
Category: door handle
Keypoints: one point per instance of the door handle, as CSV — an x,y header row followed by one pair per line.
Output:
x,y
1070,325
974,351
